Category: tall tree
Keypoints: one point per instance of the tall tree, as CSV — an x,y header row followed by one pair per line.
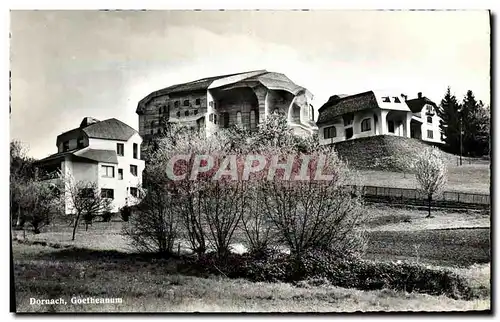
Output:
x,y
449,125
476,120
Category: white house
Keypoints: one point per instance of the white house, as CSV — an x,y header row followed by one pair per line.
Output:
x,y
105,152
373,113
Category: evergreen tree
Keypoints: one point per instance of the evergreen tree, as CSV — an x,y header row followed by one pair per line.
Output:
x,y
449,125
476,121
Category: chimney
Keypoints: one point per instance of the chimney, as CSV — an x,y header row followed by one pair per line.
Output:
x,y
419,94
405,97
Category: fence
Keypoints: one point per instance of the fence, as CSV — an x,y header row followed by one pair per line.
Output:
x,y
448,198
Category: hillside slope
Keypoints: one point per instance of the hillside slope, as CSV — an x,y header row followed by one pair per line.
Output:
x,y
382,152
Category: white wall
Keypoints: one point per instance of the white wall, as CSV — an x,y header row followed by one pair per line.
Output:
x,y
434,126
94,171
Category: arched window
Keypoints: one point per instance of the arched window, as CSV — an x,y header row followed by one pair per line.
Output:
x,y
366,125
329,132
253,118
186,113
311,112
178,114
429,119
238,118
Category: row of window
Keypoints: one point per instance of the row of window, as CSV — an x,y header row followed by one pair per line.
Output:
x,y
120,150
185,103
387,99
331,131
186,113
108,171
224,118
106,193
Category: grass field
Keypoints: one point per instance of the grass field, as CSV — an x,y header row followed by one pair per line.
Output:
x,y
474,178
146,286
105,267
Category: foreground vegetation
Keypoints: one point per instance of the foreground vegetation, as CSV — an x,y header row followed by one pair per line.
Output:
x,y
147,285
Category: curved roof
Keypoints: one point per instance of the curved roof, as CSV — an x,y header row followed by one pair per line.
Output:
x,y
271,80
337,106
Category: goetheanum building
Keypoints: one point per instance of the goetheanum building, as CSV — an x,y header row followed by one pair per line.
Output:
x,y
243,99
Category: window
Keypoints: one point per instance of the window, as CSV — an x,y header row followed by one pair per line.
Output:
x,y
198,101
120,149
79,143
135,147
107,193
225,120
65,146
211,117
429,119
152,132
396,99
159,131
178,114
386,99
86,193
276,111
134,192
390,126
329,132
311,112
108,171
348,119
195,112
176,104
430,134
366,125
120,174
215,118
186,113
238,118
185,103
253,121
133,170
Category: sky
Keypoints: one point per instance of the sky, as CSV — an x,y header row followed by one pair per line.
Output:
x,y
67,65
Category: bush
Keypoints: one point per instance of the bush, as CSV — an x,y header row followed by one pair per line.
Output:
x,y
325,268
125,213
106,217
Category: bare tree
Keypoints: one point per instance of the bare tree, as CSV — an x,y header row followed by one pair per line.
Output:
x,y
84,202
430,172
154,227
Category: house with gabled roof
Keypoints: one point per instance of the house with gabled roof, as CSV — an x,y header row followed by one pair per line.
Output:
x,y
371,113
104,152
211,103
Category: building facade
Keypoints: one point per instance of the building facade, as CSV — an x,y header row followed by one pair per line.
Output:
x,y
376,113
103,152
244,99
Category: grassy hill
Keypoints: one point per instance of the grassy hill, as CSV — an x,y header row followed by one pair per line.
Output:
x,y
382,152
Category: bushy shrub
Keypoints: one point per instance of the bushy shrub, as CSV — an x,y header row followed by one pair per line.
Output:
x,y
106,217
343,272
125,213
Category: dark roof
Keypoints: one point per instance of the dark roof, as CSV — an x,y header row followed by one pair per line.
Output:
x,y
197,85
108,156
337,105
417,104
111,129
55,156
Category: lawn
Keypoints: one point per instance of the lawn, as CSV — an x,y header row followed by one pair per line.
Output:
x,y
148,286
473,178
100,263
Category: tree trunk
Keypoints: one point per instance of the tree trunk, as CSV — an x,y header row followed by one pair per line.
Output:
x,y
429,199
19,221
75,224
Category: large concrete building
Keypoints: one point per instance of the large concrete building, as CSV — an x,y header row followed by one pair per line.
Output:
x,y
106,153
345,117
209,104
